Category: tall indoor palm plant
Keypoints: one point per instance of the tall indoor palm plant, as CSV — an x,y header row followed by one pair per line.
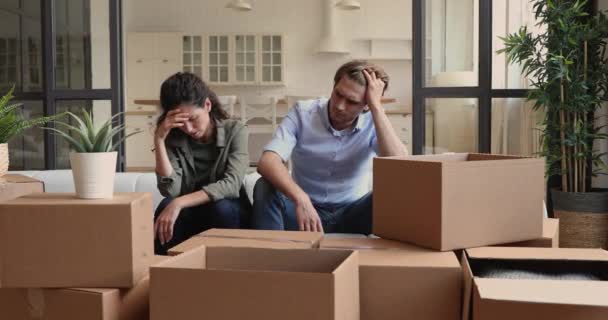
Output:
x,y
568,72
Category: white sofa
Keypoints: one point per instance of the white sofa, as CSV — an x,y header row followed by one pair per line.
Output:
x,y
61,181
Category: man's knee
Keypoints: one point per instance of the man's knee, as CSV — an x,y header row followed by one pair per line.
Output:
x,y
227,213
263,191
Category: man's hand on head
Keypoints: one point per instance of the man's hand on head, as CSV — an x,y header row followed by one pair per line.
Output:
x,y
374,91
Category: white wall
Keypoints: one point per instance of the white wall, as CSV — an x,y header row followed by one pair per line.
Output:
x,y
307,72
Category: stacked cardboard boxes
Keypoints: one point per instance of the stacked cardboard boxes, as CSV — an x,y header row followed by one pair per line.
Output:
x,y
464,201
425,207
57,250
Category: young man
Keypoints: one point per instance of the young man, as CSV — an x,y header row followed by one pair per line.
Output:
x,y
331,144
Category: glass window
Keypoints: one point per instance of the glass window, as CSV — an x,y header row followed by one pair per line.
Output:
x,y
453,44
26,151
516,127
82,56
453,125
508,17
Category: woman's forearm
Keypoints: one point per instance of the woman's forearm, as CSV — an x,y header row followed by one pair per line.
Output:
x,y
192,199
163,165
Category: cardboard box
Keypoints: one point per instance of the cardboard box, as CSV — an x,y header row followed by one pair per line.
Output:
x,y
250,239
550,238
503,283
232,283
15,185
400,281
454,201
77,304
59,241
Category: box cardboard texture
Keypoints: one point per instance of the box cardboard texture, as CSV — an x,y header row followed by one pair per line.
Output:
x,y
400,281
250,239
550,238
77,304
525,297
231,283
59,241
14,186
454,201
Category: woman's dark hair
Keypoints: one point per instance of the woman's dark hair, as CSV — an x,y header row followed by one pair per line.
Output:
x,y
187,88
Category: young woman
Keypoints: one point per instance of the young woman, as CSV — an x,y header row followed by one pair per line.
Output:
x,y
201,160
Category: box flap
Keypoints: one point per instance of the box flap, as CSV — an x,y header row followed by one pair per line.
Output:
x,y
588,293
267,235
286,260
516,253
550,228
490,157
193,259
381,252
448,157
17,178
467,289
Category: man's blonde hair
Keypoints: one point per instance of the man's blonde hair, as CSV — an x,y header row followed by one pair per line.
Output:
x,y
354,71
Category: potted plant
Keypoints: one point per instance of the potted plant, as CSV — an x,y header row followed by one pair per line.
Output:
x,y
12,124
568,72
93,158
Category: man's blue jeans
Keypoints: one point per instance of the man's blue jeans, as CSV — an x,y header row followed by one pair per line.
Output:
x,y
272,210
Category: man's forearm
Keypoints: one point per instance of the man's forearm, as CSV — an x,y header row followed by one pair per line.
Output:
x,y
272,168
388,141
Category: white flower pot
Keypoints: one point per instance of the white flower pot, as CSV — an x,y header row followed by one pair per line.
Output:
x,y
3,158
94,174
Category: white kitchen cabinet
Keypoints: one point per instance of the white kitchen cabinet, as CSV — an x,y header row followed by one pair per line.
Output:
x,y
151,58
245,59
402,124
193,54
139,147
218,59
272,60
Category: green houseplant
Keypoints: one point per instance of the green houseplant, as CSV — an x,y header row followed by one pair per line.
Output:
x,y
93,159
12,124
568,72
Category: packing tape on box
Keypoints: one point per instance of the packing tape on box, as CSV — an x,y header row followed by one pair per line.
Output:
x,y
36,303
253,238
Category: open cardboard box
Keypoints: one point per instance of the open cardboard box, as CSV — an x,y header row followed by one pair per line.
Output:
x,y
55,240
402,281
257,284
251,239
455,201
535,283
